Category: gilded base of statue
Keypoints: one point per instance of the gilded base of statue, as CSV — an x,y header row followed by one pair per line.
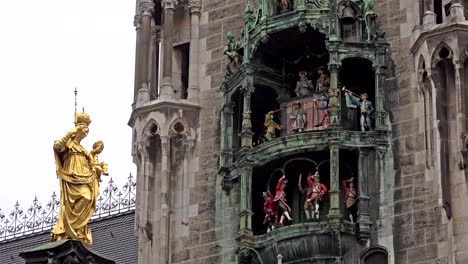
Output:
x,y
63,251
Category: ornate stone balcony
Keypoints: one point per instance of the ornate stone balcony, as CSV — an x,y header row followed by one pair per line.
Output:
x,y
304,243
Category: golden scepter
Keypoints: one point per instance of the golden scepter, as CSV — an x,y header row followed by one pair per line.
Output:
x,y
76,104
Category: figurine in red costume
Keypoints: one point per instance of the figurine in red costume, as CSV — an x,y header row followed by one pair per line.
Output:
x,y
271,211
280,199
351,198
315,193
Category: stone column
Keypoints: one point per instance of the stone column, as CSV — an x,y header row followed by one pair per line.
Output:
x,y
429,19
165,200
363,189
456,12
167,88
146,12
156,39
193,87
334,214
247,90
137,24
380,76
246,199
335,100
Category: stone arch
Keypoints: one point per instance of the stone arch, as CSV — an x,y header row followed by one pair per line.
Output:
x,y
148,129
374,255
439,54
180,126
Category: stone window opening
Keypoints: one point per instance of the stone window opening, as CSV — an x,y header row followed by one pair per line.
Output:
x,y
264,100
374,255
358,76
154,145
265,178
181,57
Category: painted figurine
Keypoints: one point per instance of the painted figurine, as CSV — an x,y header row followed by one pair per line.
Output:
x,y
315,193
271,126
351,198
304,86
365,107
285,5
271,211
323,82
325,117
298,118
280,199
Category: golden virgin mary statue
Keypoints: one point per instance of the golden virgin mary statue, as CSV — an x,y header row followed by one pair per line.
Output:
x,y
79,186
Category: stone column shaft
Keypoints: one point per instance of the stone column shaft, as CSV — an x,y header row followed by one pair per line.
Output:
x,y
334,102
137,24
165,200
155,61
246,200
193,87
146,13
334,183
167,89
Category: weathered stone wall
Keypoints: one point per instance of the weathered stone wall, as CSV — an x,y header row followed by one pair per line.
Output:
x,y
418,232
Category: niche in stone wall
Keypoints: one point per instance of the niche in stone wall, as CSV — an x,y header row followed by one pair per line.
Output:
x,y
357,76
181,69
235,120
263,100
446,112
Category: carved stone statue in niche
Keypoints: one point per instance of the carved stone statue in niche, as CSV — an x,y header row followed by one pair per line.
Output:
x,y
280,199
304,86
298,118
230,50
315,193
351,197
370,19
270,126
271,211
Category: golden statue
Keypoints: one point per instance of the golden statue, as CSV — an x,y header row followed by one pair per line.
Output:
x,y
78,175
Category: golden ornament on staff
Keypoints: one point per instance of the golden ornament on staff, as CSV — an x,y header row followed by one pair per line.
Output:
x,y
78,175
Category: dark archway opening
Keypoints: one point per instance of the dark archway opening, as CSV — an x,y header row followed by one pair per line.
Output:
x,y
236,120
263,100
266,178
303,51
356,75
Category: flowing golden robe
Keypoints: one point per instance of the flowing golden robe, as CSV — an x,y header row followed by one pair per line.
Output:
x,y
78,191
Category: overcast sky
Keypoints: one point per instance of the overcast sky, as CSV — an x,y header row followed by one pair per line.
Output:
x,y
47,48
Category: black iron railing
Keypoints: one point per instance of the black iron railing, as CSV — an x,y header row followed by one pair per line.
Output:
x,y
36,218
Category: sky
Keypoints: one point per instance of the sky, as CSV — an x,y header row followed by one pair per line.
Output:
x,y
47,48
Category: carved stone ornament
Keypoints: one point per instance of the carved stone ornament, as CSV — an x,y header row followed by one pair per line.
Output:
x,y
156,32
146,8
245,257
194,6
168,4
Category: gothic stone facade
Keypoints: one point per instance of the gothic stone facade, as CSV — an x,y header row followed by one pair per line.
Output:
x,y
203,160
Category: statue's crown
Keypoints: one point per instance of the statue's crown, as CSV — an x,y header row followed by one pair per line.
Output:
x,y
82,119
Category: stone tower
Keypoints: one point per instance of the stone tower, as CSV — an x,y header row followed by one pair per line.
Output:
x,y
232,95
